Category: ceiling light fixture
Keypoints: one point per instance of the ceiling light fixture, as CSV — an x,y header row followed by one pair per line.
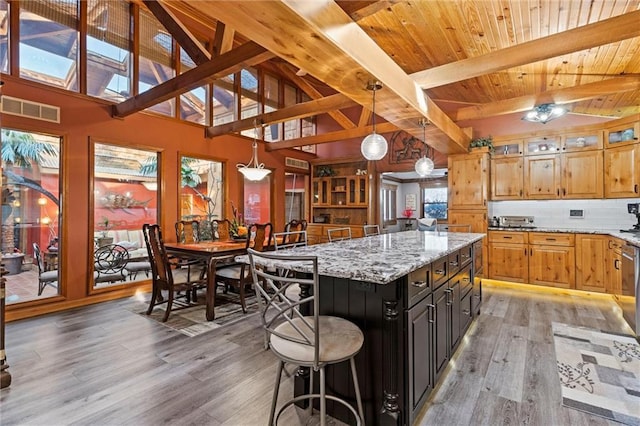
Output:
x,y
424,166
253,170
374,146
544,113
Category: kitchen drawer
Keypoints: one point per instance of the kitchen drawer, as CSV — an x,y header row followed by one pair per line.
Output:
x,y
454,263
551,239
515,237
466,255
465,279
440,269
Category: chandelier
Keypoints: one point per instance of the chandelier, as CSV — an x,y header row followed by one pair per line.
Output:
x,y
374,146
253,170
544,112
424,165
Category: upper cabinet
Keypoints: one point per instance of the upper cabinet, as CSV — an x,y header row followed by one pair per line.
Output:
x,y
582,141
542,176
623,134
468,181
542,145
622,171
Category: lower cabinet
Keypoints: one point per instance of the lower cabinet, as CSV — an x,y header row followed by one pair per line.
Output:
x,y
591,262
420,324
440,332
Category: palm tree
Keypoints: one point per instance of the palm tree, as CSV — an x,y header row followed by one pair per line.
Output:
x,y
20,150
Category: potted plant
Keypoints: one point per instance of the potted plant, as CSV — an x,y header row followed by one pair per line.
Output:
x,y
484,142
104,238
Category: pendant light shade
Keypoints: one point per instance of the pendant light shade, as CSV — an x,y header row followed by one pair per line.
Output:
x,y
374,146
424,166
254,171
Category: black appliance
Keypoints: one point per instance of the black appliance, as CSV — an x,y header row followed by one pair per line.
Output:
x,y
633,208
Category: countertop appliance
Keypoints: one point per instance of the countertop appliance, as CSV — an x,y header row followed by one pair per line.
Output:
x,y
515,221
633,208
629,300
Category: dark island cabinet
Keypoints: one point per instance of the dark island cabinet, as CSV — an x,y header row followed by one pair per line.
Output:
x,y
412,326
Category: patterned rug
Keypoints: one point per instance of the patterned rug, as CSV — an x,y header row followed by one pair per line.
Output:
x,y
599,372
192,322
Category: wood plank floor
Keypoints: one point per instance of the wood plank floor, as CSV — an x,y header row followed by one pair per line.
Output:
x,y
104,365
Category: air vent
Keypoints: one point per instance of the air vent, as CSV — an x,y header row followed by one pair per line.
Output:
x,y
295,163
35,110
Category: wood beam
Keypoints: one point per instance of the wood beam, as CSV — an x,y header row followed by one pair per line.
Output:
x,y
302,110
340,135
365,116
361,9
313,93
178,31
338,52
223,41
248,54
558,96
607,31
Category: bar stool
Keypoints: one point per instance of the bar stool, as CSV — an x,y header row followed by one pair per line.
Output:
x,y
314,340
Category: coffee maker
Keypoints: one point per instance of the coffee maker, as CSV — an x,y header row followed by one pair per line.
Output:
x,y
633,208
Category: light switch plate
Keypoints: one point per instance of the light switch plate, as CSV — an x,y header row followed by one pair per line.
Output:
x,y
576,214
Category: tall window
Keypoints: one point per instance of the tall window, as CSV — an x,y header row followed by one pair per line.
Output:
x,y
30,214
295,187
108,55
224,100
201,191
388,201
193,104
49,42
291,127
4,36
433,193
272,132
156,59
125,196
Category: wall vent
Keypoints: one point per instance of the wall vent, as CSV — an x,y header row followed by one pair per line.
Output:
x,y
35,110
295,163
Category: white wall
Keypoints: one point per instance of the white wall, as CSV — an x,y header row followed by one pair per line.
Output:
x,y
610,214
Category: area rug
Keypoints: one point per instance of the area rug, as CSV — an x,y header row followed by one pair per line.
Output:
x,y
599,372
192,321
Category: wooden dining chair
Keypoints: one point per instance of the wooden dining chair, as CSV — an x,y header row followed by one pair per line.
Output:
x,y
237,275
293,232
221,229
285,240
188,232
164,276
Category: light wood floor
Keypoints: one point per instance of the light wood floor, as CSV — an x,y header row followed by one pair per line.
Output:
x,y
103,365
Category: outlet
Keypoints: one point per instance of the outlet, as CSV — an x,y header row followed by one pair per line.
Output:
x,y
576,214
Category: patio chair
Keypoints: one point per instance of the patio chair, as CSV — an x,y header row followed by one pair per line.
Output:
x,y
45,278
109,264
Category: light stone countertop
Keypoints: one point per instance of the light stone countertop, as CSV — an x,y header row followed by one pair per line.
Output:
x,y
380,259
631,238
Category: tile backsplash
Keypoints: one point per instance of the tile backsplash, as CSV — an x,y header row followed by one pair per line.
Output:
x,y
607,214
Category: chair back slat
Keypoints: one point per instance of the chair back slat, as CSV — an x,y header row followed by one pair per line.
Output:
x,y
222,229
280,305
260,236
285,240
160,265
38,255
188,231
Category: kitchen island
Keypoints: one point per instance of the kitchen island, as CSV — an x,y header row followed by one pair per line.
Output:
x,y
413,294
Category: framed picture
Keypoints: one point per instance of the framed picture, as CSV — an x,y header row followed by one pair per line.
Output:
x,y
410,202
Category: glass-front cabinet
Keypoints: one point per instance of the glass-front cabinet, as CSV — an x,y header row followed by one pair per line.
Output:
x,y
508,148
583,141
542,145
320,192
357,191
625,134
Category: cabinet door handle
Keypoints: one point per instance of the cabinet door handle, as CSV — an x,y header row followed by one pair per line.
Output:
x,y
430,315
439,272
521,192
558,192
419,284
453,263
507,237
635,188
530,252
550,239
616,264
525,251
610,242
564,191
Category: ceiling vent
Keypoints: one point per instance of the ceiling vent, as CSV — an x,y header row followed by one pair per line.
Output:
x,y
24,108
296,164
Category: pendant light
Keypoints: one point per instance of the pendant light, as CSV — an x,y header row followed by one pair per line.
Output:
x,y
424,166
253,170
374,146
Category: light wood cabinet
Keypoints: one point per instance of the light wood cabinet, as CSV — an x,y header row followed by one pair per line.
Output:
x,y
468,181
591,262
542,145
622,171
613,266
508,256
552,259
581,176
542,177
507,178
582,141
317,232
320,192
568,176
479,224
357,191
626,133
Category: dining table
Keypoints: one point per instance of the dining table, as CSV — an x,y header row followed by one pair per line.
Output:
x,y
210,252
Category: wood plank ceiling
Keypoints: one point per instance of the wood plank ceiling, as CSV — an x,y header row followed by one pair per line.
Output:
x,y
474,58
